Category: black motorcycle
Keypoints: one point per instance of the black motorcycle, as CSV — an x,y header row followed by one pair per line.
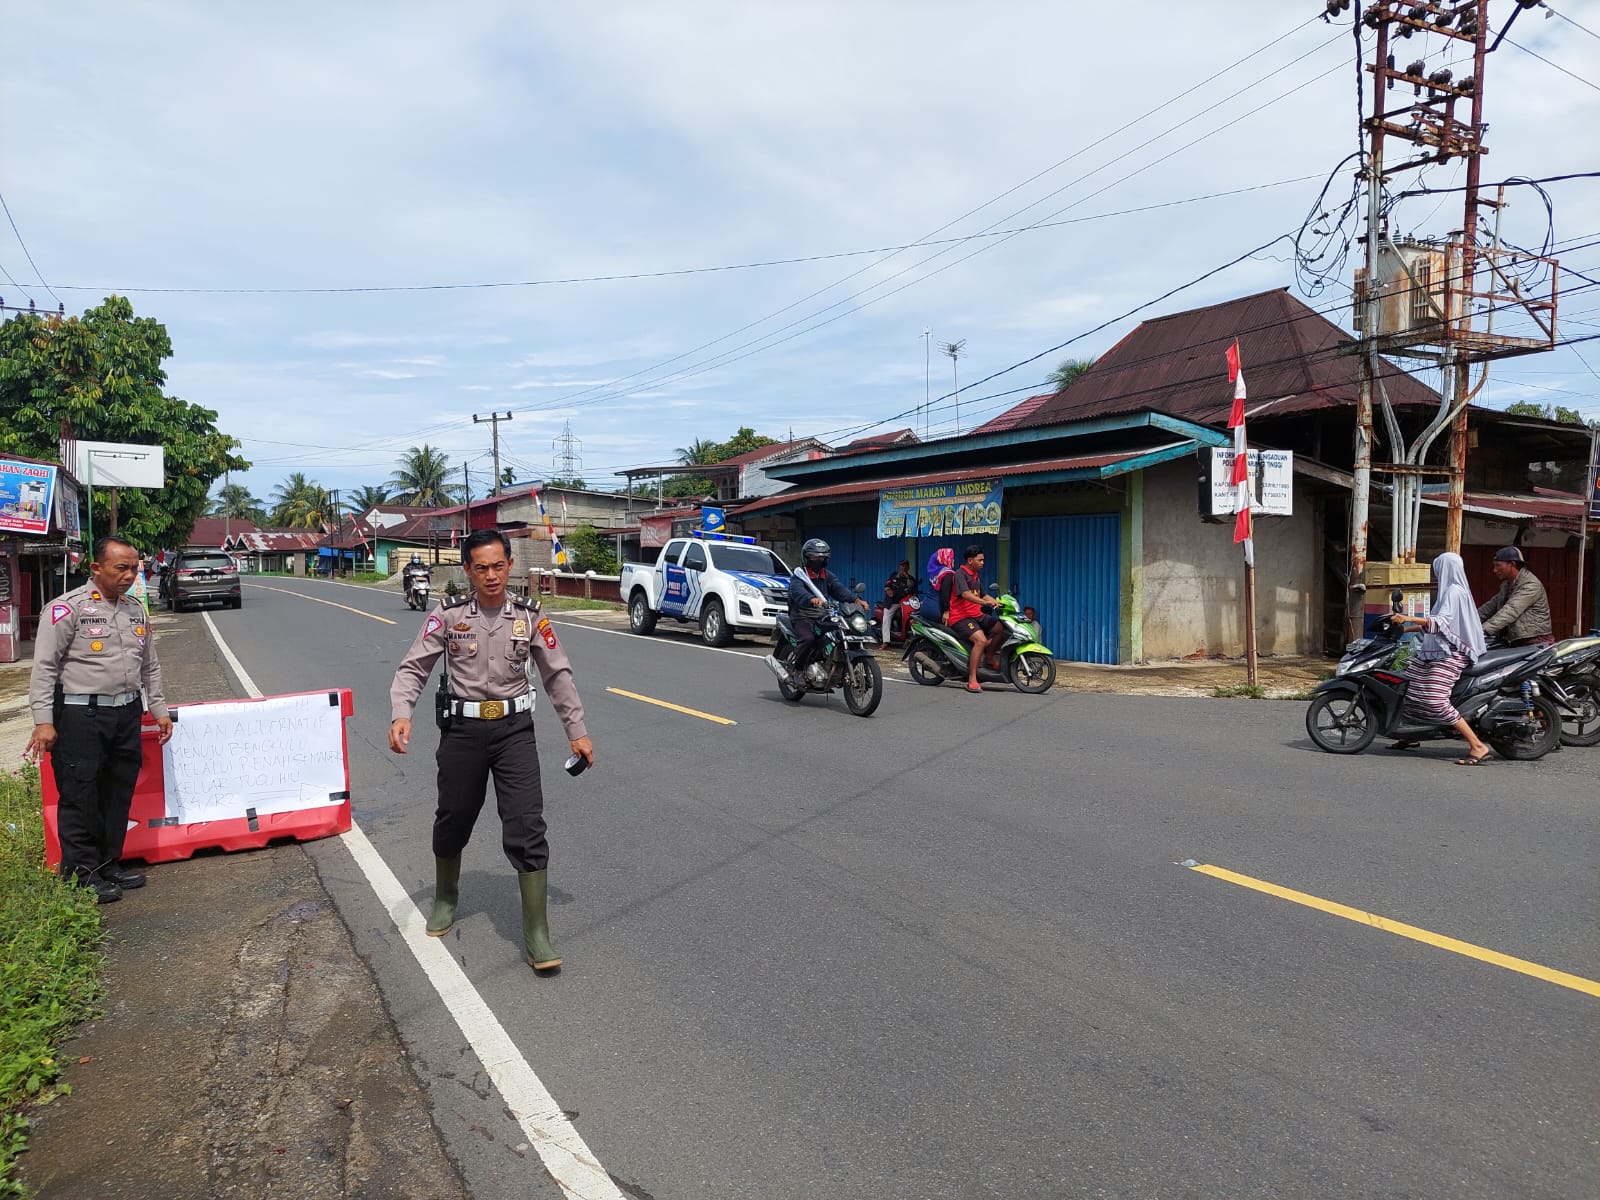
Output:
x,y
1572,680
1500,695
841,659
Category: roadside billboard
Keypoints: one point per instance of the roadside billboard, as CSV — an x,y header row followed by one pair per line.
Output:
x,y
940,509
27,497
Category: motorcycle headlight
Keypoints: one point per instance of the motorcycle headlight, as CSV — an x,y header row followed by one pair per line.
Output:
x,y
859,623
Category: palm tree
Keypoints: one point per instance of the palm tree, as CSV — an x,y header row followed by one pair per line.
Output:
x,y
700,453
364,499
421,478
1068,373
508,476
234,500
300,504
288,495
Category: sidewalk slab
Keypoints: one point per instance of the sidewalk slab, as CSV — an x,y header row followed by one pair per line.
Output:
x,y
245,1050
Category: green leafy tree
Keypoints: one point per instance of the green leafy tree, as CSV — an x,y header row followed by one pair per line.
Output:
x,y
590,550
422,478
234,500
743,442
1068,373
574,482
508,476
367,497
102,374
1550,412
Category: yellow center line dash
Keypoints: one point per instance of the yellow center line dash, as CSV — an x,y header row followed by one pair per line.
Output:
x,y
301,595
693,712
1561,978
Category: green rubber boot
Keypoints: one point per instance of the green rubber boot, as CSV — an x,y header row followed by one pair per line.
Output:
x,y
535,928
446,895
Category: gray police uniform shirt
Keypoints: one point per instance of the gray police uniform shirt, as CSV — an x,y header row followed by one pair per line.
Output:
x,y
488,653
91,646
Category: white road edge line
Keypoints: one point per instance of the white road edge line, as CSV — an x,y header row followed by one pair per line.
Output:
x,y
569,1161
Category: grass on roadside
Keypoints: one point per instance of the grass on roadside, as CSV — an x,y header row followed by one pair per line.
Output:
x,y
1250,691
50,962
577,604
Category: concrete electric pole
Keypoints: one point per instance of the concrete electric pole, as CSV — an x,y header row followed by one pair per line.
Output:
x,y
494,420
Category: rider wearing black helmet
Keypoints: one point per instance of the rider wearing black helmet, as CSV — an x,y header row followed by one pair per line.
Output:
x,y
804,606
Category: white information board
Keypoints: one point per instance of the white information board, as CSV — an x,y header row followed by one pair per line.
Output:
x,y
1271,483
254,757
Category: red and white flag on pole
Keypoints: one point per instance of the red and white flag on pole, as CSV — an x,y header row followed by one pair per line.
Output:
x,y
1241,458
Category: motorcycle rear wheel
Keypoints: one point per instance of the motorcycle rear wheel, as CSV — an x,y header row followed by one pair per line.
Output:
x,y
1527,747
1032,672
792,692
1341,722
863,686
927,676
1584,729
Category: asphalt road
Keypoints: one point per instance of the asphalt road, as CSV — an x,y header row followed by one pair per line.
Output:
x,y
949,951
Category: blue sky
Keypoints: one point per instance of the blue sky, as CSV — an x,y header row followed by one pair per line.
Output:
x,y
355,145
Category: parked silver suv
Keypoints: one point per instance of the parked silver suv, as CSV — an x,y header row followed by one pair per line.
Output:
x,y
198,577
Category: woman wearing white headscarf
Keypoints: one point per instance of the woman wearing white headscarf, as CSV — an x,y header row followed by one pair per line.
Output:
x,y
1452,638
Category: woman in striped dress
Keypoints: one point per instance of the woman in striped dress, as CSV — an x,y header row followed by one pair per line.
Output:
x,y
1452,638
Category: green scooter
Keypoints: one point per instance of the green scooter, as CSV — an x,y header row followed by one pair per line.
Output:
x,y
934,653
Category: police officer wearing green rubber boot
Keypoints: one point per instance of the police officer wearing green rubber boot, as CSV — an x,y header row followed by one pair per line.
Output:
x,y
488,640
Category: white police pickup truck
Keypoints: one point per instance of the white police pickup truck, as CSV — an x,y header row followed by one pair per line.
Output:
x,y
724,583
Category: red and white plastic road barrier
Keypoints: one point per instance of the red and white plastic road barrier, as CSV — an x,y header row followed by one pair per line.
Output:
x,y
236,775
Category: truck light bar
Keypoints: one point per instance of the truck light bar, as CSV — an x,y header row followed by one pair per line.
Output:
x,y
722,537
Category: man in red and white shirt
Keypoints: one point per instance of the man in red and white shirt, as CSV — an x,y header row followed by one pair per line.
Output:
x,y
967,616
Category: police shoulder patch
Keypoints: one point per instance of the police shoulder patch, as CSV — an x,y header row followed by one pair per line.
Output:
x,y
432,625
532,604
457,601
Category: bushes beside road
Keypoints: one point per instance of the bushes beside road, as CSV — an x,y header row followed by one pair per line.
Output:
x,y
50,963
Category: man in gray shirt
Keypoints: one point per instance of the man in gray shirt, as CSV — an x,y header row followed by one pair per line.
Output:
x,y
1519,613
93,657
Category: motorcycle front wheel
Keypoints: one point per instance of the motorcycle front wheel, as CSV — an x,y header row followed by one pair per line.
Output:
x,y
1032,672
863,686
920,671
1535,738
1342,722
1582,727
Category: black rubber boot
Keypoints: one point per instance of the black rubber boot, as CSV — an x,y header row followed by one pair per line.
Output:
x,y
535,928
446,895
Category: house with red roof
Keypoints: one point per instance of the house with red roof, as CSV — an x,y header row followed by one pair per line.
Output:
x,y
1093,504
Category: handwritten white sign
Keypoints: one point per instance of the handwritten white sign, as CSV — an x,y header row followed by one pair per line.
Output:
x,y
280,754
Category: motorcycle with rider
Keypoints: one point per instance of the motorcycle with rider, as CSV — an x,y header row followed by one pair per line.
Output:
x,y
416,582
825,639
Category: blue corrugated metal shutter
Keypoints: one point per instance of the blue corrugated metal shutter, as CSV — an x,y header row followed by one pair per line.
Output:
x,y
1070,570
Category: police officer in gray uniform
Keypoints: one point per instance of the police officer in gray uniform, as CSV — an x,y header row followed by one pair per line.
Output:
x,y
487,640
93,656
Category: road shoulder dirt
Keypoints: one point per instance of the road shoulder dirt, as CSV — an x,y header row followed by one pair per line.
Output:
x,y
245,1050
